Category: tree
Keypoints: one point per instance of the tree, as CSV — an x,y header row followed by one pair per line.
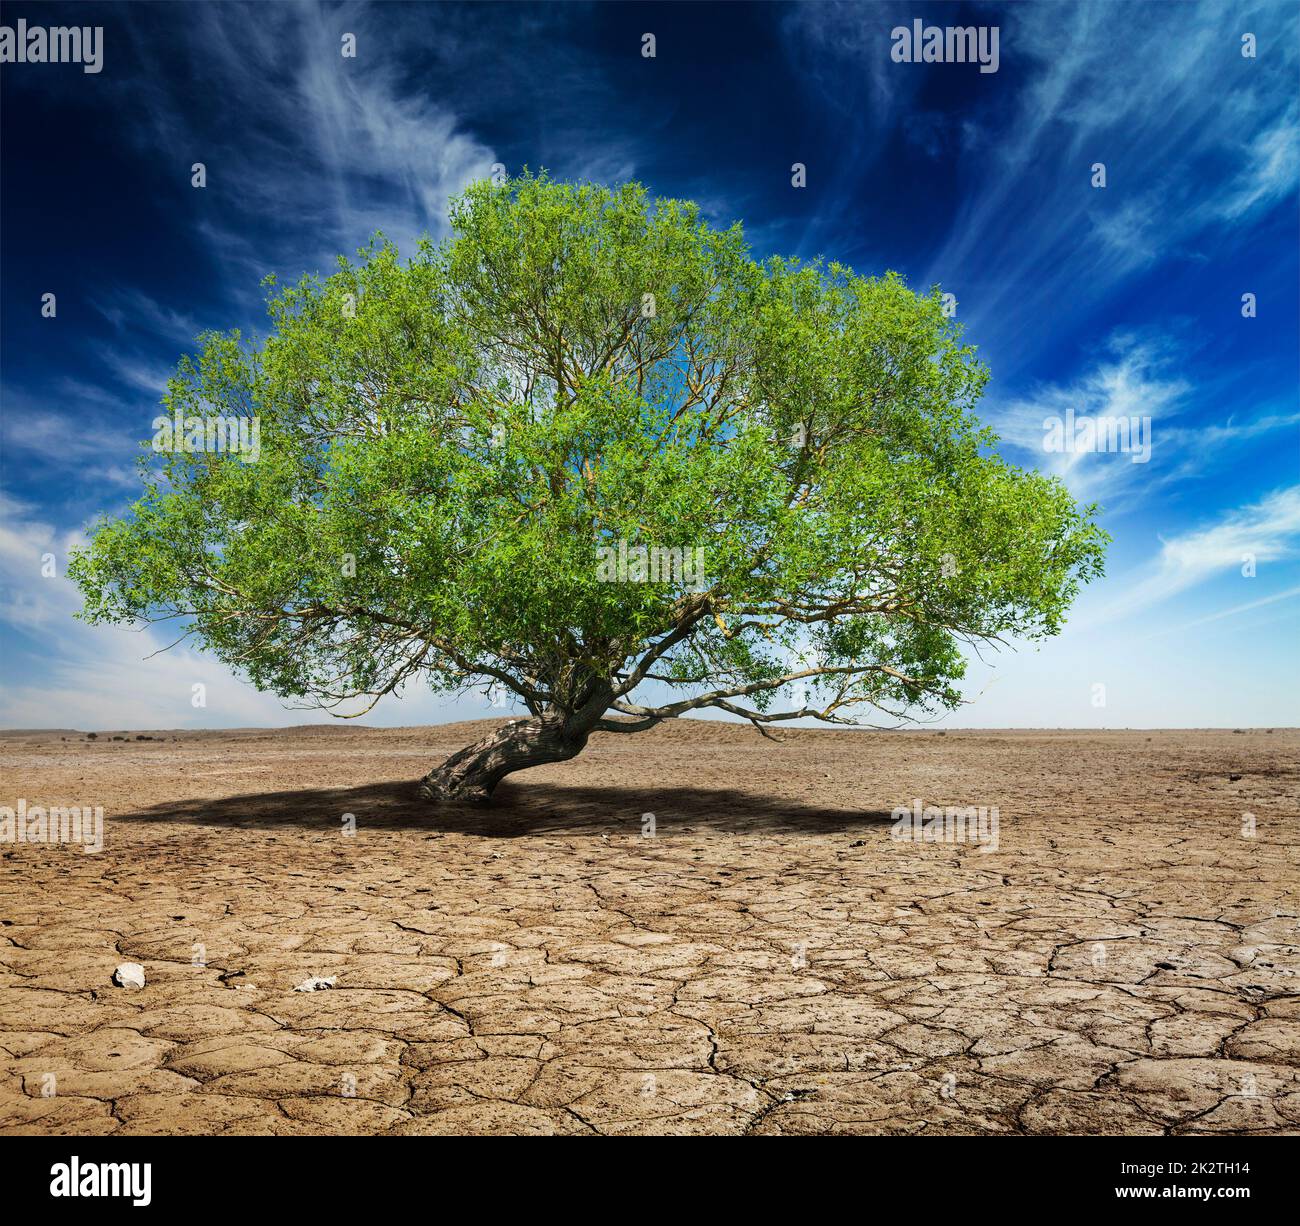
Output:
x,y
591,454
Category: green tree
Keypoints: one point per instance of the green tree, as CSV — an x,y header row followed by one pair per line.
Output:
x,y
453,448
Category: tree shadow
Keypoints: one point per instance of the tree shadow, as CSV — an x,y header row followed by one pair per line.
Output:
x,y
518,808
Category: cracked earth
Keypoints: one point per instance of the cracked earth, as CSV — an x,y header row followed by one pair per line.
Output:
x,y
771,961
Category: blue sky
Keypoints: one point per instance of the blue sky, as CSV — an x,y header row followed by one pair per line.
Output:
x,y
1123,300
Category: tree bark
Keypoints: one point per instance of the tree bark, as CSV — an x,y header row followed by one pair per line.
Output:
x,y
474,772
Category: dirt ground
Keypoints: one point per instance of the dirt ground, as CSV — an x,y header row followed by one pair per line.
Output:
x,y
762,956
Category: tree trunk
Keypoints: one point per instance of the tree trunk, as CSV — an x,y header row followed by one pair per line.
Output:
x,y
473,772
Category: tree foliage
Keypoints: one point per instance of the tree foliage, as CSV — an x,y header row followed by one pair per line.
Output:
x,y
574,367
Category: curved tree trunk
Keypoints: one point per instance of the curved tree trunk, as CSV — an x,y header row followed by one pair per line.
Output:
x,y
472,773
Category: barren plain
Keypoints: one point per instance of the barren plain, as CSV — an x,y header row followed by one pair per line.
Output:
x,y
760,957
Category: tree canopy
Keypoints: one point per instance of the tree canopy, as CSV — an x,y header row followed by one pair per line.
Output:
x,y
450,444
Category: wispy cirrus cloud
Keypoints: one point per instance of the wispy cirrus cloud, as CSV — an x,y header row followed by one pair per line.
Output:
x,y
82,676
336,147
131,311
1133,378
71,430
1266,531
1139,377
1249,606
1271,171
1112,84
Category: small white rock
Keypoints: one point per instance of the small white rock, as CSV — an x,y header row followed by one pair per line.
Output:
x,y
129,975
316,984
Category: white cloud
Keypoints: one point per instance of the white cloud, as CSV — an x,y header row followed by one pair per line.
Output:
x,y
75,430
1234,611
1113,84
131,309
1135,377
139,374
116,677
1265,531
1132,380
334,149
1272,169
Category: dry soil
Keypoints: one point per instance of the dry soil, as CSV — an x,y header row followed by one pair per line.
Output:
x,y
760,957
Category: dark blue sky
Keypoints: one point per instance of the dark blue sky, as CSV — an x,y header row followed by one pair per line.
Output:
x,y
1123,300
